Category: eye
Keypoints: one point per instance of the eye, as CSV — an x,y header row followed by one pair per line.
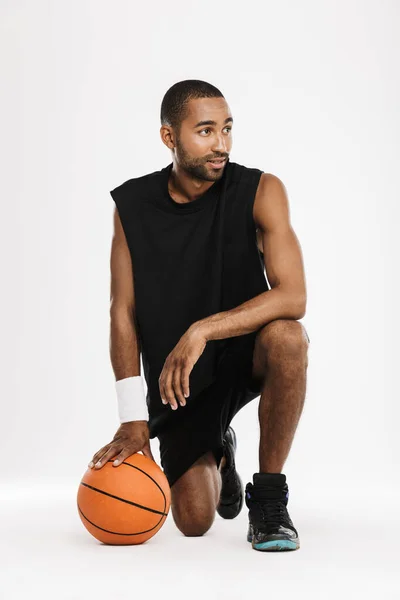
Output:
x,y
208,129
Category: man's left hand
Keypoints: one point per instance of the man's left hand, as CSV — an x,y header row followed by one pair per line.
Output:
x,y
174,377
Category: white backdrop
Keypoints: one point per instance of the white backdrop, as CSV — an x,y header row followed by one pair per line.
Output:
x,y
314,91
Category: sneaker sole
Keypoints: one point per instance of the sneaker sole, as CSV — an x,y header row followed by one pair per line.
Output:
x,y
275,545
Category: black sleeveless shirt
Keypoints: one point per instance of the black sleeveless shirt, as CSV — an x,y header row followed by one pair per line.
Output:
x,y
189,261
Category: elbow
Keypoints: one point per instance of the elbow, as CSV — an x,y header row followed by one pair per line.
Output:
x,y
121,311
299,307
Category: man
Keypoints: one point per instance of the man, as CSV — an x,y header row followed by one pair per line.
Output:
x,y
188,291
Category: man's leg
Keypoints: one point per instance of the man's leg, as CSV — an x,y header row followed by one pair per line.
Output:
x,y
280,364
195,496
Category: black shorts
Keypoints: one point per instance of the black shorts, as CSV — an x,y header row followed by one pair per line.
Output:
x,y
200,427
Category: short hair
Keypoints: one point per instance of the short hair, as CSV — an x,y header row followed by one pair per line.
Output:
x,y
174,104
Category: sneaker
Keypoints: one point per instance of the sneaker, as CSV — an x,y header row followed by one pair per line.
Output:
x,y
270,526
232,494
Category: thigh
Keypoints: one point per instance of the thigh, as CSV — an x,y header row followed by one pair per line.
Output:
x,y
192,447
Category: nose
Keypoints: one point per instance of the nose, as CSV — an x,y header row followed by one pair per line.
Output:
x,y
219,144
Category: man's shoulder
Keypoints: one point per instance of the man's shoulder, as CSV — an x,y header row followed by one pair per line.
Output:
x,y
239,171
141,181
140,188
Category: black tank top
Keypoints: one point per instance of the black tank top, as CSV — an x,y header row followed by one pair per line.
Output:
x,y
189,261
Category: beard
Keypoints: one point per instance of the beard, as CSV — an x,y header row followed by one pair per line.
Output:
x,y
196,167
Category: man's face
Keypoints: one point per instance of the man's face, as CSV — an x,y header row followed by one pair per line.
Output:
x,y
197,142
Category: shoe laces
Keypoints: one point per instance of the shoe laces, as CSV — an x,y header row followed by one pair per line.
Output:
x,y
270,510
273,511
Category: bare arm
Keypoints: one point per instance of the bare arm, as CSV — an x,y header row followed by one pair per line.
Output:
x,y
283,265
124,341
281,248
132,436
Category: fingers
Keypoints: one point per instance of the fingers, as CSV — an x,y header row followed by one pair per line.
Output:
x,y
178,386
123,454
174,385
96,457
186,370
113,452
147,451
167,393
100,459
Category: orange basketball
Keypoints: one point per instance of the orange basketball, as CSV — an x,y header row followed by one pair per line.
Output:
x,y
126,504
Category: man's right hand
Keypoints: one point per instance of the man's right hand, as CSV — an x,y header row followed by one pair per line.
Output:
x,y
130,438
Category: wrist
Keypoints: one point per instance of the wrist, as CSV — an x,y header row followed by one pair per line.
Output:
x,y
201,329
131,399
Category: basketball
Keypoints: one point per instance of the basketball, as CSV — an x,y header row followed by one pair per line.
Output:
x,y
127,504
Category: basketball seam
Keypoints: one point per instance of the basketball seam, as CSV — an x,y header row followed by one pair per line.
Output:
x,y
116,532
153,510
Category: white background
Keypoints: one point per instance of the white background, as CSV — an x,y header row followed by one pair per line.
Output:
x,y
314,91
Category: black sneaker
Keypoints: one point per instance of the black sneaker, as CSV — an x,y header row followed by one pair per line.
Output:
x,y
270,526
232,495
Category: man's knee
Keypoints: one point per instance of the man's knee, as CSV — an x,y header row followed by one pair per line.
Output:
x,y
275,341
193,503
287,335
193,524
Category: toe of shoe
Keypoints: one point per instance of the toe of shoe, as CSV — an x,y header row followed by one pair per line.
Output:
x,y
276,545
285,539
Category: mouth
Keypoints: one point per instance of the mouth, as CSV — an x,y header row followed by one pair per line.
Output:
x,y
217,163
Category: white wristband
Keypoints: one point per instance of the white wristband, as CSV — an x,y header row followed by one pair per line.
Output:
x,y
132,405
